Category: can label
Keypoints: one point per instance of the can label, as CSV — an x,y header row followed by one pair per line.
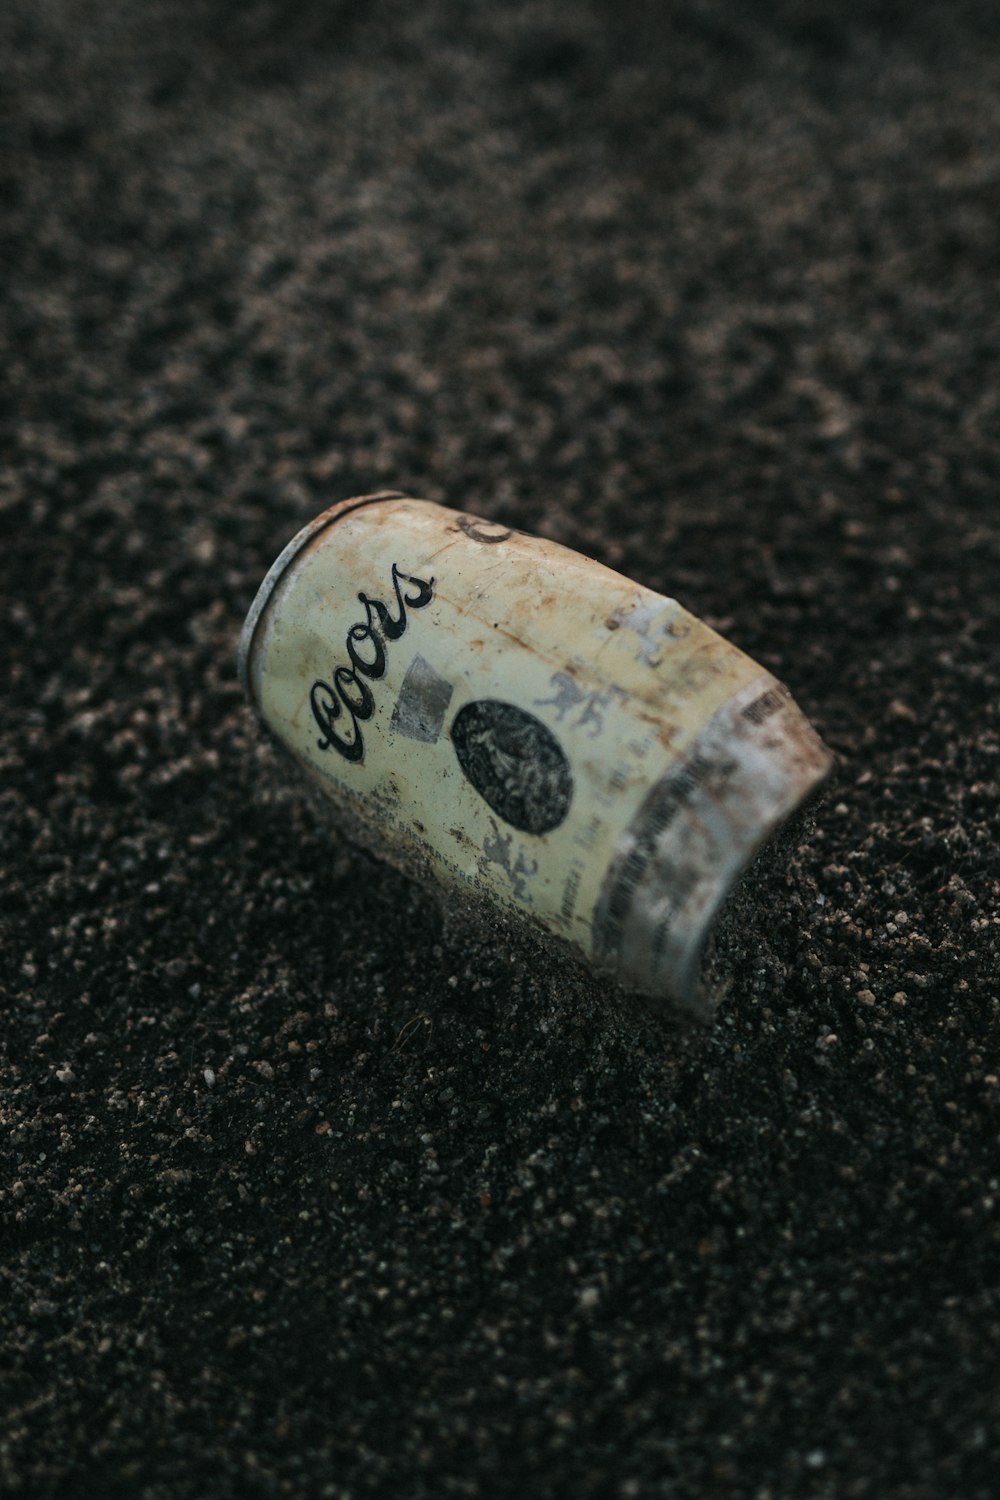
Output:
x,y
527,724
341,705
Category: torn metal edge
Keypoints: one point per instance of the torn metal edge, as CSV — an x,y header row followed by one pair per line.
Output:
x,y
763,804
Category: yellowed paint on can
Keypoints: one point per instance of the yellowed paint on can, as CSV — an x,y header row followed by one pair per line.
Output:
x,y
528,727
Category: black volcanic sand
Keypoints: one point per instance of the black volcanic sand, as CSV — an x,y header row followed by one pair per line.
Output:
x,y
304,1192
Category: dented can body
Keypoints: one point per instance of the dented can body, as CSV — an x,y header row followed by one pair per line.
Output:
x,y
527,726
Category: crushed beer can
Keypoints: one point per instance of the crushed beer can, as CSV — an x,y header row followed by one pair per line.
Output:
x,y
528,728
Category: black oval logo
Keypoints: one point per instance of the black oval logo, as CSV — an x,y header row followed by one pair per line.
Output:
x,y
515,763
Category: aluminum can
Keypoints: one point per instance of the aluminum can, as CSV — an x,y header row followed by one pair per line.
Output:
x,y
527,727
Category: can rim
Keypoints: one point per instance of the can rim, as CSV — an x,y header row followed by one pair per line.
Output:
x,y
282,562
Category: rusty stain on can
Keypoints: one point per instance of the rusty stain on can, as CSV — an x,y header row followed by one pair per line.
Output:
x,y
528,727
